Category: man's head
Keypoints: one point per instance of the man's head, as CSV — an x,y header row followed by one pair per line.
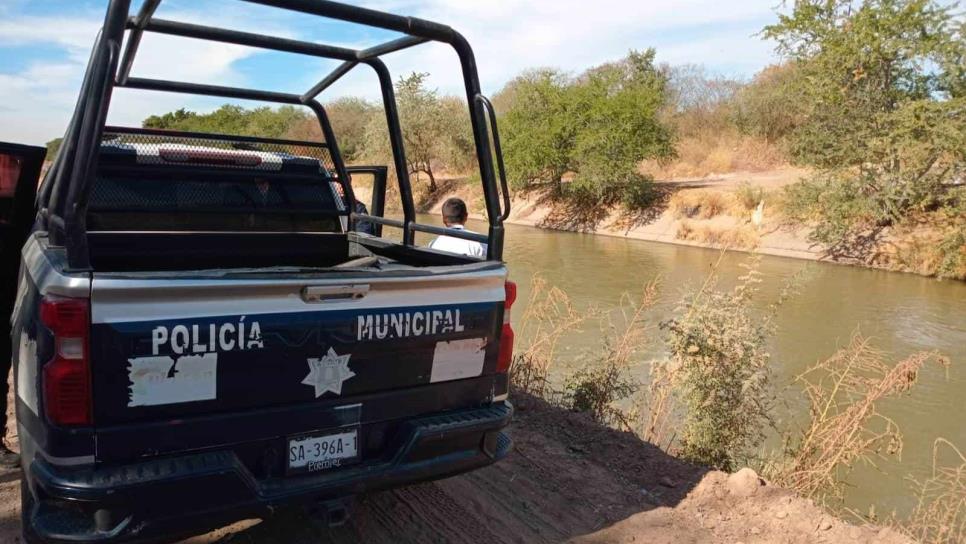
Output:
x,y
454,212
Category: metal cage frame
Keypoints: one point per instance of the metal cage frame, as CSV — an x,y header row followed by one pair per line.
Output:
x,y
63,199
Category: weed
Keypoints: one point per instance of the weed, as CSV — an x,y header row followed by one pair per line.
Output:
x,y
749,195
846,426
940,513
597,387
550,315
721,236
719,362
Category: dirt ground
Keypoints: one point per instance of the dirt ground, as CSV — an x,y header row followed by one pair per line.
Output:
x,y
567,480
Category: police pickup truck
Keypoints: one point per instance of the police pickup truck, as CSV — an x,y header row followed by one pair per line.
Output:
x,y
199,334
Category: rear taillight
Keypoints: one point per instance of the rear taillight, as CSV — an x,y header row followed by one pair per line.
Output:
x,y
67,376
505,356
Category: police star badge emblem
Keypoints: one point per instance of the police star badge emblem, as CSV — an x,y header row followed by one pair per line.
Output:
x,y
327,374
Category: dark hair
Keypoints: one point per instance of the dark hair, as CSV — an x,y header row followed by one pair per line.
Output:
x,y
454,210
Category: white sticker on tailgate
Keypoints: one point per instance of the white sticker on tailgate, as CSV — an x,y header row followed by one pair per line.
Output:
x,y
458,359
160,380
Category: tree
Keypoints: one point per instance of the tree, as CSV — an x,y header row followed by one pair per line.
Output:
x,y
171,120
349,117
231,119
771,105
863,64
598,126
538,128
617,108
883,89
434,129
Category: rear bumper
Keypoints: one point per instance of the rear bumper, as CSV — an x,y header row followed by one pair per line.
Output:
x,y
177,496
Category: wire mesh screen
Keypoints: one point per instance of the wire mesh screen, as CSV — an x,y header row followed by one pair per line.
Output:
x,y
179,181
172,148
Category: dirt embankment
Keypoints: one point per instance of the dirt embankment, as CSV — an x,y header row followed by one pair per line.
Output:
x,y
568,479
770,235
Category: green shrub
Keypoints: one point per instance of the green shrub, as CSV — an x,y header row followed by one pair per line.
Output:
x,y
953,252
596,388
882,92
639,194
720,368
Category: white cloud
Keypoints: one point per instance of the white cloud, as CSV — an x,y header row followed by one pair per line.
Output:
x,y
508,36
36,103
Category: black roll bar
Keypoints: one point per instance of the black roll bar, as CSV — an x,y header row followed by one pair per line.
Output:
x,y
109,69
328,80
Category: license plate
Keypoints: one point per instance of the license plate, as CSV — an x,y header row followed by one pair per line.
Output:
x,y
321,452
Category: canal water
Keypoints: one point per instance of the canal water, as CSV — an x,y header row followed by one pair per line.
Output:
x,y
902,313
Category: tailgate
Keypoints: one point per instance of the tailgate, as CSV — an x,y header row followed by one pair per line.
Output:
x,y
172,348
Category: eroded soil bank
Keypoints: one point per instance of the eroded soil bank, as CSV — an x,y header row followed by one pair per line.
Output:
x,y
568,479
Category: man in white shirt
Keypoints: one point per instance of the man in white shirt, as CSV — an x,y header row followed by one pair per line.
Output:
x,y
454,216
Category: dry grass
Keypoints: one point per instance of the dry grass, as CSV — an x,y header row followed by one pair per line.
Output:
x,y
550,316
702,203
940,513
600,385
720,236
717,152
846,426
919,245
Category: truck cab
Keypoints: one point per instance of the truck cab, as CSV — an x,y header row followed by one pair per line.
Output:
x,y
200,334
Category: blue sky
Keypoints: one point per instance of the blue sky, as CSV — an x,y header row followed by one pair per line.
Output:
x,y
44,47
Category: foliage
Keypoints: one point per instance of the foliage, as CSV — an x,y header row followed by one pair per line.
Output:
x,y
698,102
639,195
596,388
599,386
770,105
720,365
349,117
537,128
883,95
598,126
53,147
616,106
713,133
435,130
700,203
953,252
846,426
231,119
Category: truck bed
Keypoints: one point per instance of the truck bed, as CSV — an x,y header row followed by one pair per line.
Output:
x,y
133,251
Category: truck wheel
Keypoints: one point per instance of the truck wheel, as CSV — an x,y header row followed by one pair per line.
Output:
x,y
26,506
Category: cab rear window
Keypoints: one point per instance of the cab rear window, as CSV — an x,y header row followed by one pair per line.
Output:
x,y
185,199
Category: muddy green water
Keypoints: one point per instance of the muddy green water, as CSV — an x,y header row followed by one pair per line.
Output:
x,y
903,313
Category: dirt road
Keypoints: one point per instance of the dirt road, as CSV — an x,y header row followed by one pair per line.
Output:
x,y
567,479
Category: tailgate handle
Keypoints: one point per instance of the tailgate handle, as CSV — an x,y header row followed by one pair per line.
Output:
x,y
333,293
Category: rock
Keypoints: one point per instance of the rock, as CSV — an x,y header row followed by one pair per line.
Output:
x,y
755,531
744,483
825,524
781,514
667,482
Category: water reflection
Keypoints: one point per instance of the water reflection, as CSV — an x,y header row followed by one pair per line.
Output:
x,y
902,312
